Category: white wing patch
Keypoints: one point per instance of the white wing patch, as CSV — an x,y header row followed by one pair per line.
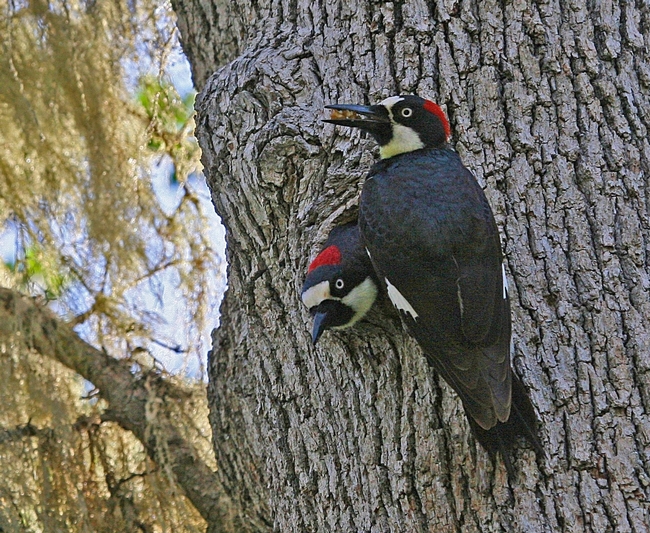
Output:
x,y
401,303
460,299
505,281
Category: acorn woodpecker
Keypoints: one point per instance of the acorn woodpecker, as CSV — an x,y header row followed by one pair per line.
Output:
x,y
434,245
340,286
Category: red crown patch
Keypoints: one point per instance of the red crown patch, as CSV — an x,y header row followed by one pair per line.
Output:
x,y
437,111
329,256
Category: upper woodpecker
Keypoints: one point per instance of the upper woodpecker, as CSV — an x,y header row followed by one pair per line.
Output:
x,y
434,244
340,286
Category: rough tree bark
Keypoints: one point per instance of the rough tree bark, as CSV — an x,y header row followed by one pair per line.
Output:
x,y
549,107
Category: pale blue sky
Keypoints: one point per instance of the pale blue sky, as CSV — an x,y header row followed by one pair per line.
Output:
x,y
178,71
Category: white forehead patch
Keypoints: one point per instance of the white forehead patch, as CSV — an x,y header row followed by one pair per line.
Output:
x,y
389,102
313,296
401,303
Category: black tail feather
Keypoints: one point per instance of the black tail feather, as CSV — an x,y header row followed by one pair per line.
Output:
x,y
502,437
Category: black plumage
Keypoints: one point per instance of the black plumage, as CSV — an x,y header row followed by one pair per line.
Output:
x,y
429,231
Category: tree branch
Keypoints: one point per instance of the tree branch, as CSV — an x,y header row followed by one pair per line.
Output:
x,y
38,328
20,432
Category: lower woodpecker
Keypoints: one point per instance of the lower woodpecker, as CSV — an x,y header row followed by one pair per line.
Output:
x,y
341,285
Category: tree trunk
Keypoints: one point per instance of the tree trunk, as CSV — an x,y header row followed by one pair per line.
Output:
x,y
549,105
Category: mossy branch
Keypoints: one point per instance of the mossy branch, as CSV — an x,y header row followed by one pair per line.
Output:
x,y
24,321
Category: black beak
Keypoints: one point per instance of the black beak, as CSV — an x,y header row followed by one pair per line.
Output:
x,y
330,314
320,325
366,117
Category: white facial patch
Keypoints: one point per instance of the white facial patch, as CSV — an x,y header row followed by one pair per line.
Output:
x,y
389,102
505,281
360,299
404,139
399,301
316,294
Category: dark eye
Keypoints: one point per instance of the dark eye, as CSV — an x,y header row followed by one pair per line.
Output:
x,y
407,112
339,283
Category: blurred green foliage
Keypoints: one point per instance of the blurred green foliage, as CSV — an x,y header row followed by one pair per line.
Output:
x,y
36,268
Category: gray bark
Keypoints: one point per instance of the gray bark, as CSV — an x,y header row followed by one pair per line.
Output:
x,y
549,105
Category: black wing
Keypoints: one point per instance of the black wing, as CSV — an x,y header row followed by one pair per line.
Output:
x,y
432,236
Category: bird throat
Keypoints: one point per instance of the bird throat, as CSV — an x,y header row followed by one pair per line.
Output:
x,y
404,140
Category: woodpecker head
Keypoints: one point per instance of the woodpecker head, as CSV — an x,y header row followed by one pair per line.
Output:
x,y
340,287
399,124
